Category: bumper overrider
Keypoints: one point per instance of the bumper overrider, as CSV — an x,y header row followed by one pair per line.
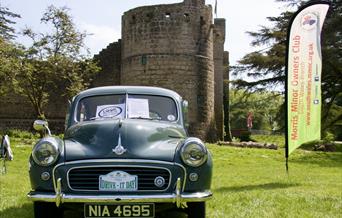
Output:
x,y
177,197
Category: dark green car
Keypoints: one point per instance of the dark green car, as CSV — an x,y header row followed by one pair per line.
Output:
x,y
125,153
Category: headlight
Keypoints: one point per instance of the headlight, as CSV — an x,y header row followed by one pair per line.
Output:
x,y
193,152
45,152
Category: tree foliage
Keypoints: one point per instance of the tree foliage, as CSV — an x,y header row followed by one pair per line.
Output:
x,y
263,105
267,65
332,70
9,65
6,20
9,52
54,61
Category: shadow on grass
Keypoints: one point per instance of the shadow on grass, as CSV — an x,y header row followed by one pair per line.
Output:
x,y
266,186
26,211
323,159
23,211
77,213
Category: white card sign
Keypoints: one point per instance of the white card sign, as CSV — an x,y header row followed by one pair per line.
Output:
x,y
109,111
138,108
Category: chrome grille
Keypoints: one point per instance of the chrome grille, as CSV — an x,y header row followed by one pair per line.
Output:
x,y
88,178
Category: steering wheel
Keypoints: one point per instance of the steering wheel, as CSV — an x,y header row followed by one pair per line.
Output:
x,y
155,115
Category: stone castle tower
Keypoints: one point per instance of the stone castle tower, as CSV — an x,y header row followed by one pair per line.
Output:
x,y
179,47
175,46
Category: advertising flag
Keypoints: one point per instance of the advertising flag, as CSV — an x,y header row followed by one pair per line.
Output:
x,y
303,71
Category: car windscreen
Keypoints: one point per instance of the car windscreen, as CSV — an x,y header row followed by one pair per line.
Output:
x,y
137,107
101,107
152,107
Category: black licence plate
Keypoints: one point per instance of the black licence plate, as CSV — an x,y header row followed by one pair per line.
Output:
x,y
119,210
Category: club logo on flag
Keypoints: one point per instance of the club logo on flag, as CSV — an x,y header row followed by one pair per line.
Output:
x,y
309,21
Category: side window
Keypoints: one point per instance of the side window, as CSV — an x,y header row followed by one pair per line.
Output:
x,y
67,116
83,115
185,109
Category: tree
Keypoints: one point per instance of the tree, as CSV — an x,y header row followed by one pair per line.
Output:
x,y
8,51
267,65
263,105
332,68
54,61
9,65
6,20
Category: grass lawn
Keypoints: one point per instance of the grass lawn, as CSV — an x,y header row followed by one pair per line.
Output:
x,y
246,183
279,140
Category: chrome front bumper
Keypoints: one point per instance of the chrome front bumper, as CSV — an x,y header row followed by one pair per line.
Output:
x,y
177,197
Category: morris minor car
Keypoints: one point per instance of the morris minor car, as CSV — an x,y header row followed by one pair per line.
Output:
x,y
125,153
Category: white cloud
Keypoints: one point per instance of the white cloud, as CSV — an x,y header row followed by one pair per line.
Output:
x,y
100,36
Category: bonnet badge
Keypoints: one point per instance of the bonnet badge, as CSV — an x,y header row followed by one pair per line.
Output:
x,y
119,149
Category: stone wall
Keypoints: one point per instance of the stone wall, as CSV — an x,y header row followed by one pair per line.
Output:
x,y
171,46
175,46
16,112
219,39
226,115
109,59
226,65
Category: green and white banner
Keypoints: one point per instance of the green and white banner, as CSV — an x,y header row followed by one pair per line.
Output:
x,y
304,66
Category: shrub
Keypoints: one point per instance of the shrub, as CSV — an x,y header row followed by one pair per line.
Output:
x,y
15,133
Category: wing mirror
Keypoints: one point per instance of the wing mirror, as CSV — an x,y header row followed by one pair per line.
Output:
x,y
185,107
41,125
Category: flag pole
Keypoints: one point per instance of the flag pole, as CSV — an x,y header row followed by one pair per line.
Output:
x,y
286,95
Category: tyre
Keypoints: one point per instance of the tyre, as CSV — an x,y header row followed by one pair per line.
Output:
x,y
46,210
173,214
196,210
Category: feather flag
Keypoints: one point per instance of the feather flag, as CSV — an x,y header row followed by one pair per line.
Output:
x,y
303,75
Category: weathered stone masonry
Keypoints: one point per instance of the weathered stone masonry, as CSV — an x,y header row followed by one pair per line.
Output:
x,y
171,46
220,73
175,46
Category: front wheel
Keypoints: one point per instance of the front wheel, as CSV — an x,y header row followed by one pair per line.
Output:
x,y
46,210
196,210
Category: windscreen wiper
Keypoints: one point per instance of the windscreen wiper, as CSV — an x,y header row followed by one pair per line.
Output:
x,y
144,118
103,118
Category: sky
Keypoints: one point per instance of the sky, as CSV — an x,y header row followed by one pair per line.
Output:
x,y
102,19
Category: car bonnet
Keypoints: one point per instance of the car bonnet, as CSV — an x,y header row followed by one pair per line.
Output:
x,y
131,139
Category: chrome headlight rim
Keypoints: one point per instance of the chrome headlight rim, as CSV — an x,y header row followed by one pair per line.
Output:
x,y
52,145
185,156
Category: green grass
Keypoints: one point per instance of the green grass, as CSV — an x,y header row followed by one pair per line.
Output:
x,y
246,183
254,183
279,140
274,139
14,185
20,134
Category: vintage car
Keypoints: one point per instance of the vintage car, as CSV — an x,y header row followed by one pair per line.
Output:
x,y
125,153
